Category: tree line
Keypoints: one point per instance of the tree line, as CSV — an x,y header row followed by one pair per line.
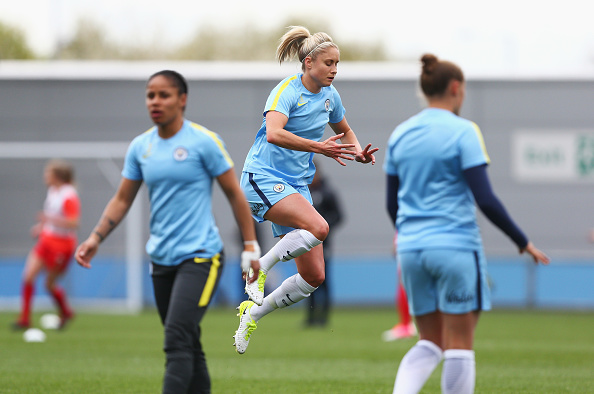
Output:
x,y
209,43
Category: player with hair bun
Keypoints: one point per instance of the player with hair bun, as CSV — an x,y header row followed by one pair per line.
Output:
x,y
279,166
436,165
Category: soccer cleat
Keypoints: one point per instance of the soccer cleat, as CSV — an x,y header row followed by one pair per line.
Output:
x,y
255,290
399,331
64,320
246,327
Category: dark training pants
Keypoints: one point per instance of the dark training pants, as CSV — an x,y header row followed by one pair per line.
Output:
x,y
182,294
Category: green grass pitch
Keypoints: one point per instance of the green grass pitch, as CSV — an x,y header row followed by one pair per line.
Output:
x,y
516,352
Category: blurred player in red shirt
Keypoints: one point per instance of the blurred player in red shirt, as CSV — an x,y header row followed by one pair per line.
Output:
x,y
56,241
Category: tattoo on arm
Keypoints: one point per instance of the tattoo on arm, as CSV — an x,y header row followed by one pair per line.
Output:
x,y
101,236
111,225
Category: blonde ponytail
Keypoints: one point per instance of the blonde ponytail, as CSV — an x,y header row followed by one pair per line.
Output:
x,y
300,43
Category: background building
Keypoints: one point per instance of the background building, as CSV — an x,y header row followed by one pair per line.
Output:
x,y
539,132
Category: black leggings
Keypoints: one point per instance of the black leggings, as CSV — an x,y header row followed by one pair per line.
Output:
x,y
182,294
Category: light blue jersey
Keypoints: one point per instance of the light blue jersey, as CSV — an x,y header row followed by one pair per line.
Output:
x,y
308,114
179,173
429,153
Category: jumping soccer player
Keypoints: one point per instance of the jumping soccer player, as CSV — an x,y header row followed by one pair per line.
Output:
x,y
279,166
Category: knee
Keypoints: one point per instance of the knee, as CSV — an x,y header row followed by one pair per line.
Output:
x,y
29,276
178,338
319,229
317,282
314,279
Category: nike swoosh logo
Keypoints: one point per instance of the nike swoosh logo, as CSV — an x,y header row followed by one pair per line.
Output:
x,y
286,257
301,102
148,152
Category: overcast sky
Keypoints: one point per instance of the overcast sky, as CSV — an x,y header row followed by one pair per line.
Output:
x,y
498,35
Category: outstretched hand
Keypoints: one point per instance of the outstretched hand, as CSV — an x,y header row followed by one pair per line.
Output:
x,y
366,155
537,255
336,151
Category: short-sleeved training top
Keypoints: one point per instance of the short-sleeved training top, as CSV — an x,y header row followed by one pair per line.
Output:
x,y
436,208
179,173
308,114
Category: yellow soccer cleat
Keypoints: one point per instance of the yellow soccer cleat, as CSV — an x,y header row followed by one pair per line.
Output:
x,y
246,327
255,290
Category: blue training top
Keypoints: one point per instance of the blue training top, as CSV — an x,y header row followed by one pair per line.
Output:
x,y
308,114
429,153
178,172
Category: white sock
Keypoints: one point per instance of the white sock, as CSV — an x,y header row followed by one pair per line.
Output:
x,y
292,245
290,292
416,367
459,372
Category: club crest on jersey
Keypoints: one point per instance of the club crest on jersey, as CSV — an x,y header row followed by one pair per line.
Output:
x,y
279,187
327,105
180,154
